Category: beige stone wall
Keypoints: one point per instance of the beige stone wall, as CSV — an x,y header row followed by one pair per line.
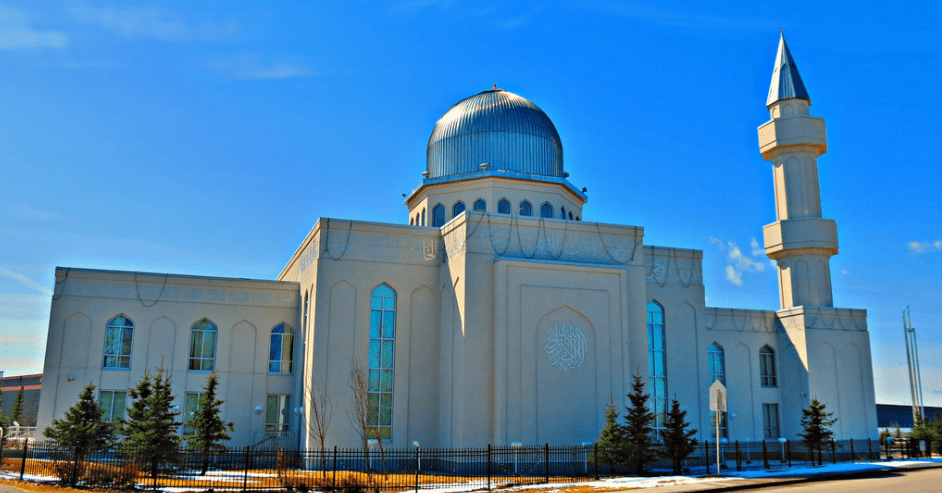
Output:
x,y
163,309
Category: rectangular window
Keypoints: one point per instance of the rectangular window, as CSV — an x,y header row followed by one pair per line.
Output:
x,y
657,366
770,421
114,404
203,346
191,404
276,412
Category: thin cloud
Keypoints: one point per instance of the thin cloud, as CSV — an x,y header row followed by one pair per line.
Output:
x,y
17,33
250,67
738,263
924,246
5,272
757,250
153,23
733,275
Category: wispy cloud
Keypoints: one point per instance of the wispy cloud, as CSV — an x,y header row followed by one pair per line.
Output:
x,y
686,19
925,246
17,33
5,272
251,67
154,23
738,262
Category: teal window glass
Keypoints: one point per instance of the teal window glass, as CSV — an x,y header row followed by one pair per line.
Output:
x,y
191,404
657,366
438,216
526,208
203,346
382,361
767,374
717,371
281,349
277,408
119,335
114,404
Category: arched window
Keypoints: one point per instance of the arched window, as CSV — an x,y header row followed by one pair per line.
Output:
x,y
119,334
503,206
562,213
480,205
423,218
411,221
307,310
457,209
526,209
656,365
382,360
767,367
717,371
203,346
546,210
438,216
570,215
281,349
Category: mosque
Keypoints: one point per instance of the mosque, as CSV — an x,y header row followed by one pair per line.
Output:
x,y
499,313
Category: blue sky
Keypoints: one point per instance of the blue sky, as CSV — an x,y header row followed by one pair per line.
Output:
x,y
208,138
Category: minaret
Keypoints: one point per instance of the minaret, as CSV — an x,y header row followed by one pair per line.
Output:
x,y
800,240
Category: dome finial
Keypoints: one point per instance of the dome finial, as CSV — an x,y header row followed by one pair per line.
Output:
x,y
495,86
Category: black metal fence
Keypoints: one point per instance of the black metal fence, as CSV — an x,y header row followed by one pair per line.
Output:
x,y
394,470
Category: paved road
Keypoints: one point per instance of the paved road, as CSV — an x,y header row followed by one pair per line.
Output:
x,y
916,481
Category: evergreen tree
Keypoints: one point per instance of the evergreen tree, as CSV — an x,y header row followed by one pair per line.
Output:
x,y
611,444
18,406
151,428
637,430
678,442
3,422
209,426
922,429
816,422
82,430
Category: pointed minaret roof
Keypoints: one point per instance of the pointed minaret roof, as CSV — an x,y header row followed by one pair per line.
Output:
x,y
786,83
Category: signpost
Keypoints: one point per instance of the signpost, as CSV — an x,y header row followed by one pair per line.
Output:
x,y
718,405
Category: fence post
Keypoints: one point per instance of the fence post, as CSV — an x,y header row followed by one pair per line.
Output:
x,y
417,469
738,457
706,455
833,451
788,451
852,458
245,468
23,464
334,480
869,450
596,456
765,456
546,460
488,466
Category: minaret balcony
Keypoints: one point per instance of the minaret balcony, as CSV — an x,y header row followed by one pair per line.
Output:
x,y
784,134
811,234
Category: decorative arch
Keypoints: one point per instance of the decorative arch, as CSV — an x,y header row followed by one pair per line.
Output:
x,y
458,208
526,208
382,360
119,338
546,210
480,205
438,215
503,206
203,336
281,349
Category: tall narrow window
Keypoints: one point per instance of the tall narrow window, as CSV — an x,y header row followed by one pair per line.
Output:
x,y
503,206
526,209
656,365
191,404
281,350
438,216
113,403
717,370
457,209
203,346
767,367
382,361
480,205
276,412
423,218
770,421
307,309
119,333
562,213
546,210
570,215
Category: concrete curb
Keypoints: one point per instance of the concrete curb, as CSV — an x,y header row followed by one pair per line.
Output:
x,y
785,480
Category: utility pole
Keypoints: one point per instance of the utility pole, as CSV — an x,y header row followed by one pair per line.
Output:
x,y
912,359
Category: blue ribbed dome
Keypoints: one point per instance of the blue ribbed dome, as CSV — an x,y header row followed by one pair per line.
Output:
x,y
499,128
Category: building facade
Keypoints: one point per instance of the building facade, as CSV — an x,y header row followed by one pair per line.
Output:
x,y
496,315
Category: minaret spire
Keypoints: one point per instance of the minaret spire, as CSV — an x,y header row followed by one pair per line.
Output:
x,y
800,241
786,81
